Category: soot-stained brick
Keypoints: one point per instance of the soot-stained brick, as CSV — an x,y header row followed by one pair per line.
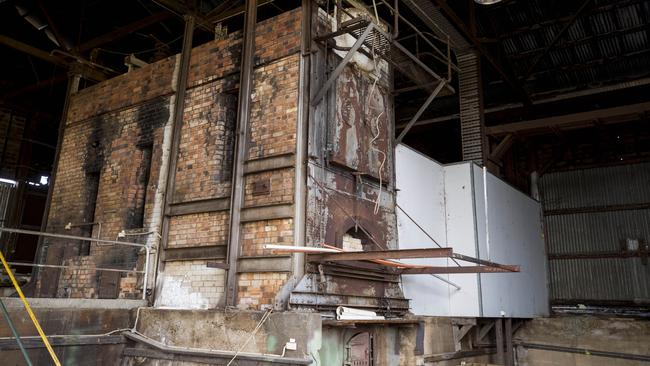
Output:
x,y
149,117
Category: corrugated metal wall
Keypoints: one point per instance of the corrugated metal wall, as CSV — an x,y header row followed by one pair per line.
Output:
x,y
6,190
590,217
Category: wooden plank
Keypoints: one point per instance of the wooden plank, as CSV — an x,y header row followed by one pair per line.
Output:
x,y
382,254
193,207
572,121
194,253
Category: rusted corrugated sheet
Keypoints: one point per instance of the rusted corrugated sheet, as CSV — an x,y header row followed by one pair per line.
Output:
x,y
616,185
604,279
596,211
6,190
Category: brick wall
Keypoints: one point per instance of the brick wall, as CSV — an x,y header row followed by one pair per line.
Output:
x,y
191,284
112,156
195,230
107,174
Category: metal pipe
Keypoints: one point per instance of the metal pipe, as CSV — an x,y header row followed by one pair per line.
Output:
x,y
396,20
18,264
15,333
585,351
146,273
71,237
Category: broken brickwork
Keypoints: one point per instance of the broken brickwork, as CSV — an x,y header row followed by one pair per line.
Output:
x,y
109,176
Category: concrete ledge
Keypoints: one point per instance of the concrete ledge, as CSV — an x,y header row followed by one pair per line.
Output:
x,y
53,303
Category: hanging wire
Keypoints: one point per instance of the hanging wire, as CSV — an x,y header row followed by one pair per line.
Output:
x,y
143,51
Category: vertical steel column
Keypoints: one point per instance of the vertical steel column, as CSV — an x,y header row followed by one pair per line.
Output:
x,y
73,86
241,147
177,124
14,331
302,142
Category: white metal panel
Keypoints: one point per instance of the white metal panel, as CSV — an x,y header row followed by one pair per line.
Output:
x,y
450,203
513,235
420,181
461,236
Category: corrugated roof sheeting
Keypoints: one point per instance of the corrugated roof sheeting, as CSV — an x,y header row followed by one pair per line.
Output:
x,y
614,185
609,42
611,279
595,232
608,192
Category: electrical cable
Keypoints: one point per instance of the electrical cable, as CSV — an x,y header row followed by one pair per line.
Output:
x,y
259,325
167,44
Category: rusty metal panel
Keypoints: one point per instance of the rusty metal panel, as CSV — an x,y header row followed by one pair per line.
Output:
x,y
109,285
593,211
262,187
360,350
361,130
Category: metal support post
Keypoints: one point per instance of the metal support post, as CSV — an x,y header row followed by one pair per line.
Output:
x,y
14,331
241,147
420,111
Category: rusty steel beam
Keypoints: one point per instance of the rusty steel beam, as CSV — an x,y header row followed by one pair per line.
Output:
x,y
221,8
241,148
493,60
122,31
571,121
454,270
34,87
216,18
507,268
423,108
339,69
557,37
383,254
60,39
33,51
177,124
84,69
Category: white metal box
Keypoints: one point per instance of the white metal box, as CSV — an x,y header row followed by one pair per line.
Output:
x,y
472,211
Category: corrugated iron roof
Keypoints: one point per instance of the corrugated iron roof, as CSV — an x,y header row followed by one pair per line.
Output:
x,y
607,43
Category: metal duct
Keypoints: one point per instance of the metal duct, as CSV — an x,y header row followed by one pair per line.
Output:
x,y
41,25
